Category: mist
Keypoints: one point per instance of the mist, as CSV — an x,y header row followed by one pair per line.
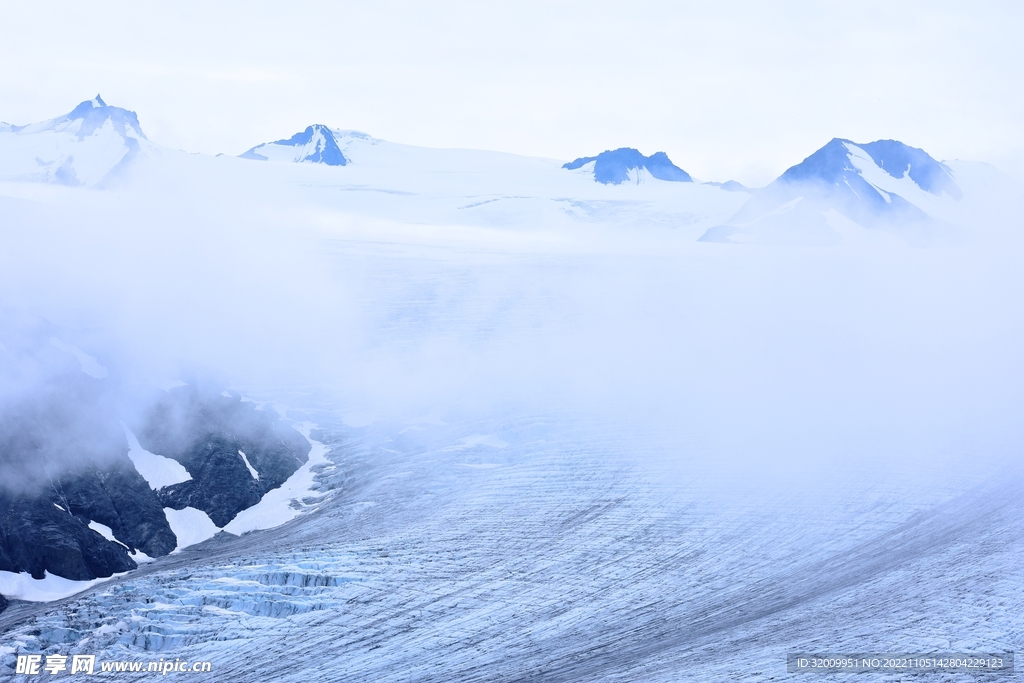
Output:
x,y
875,358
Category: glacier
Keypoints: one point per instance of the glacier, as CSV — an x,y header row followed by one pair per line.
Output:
x,y
553,434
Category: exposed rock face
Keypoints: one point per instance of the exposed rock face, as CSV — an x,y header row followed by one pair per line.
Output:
x,y
117,496
64,459
208,433
61,444
37,537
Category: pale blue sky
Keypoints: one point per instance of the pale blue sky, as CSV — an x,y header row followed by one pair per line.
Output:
x,y
729,89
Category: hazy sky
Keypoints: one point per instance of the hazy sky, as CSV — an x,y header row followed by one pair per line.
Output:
x,y
729,89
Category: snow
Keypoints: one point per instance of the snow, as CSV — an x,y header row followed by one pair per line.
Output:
x,y
252,470
59,156
905,187
190,526
22,586
105,531
158,470
141,557
317,144
284,503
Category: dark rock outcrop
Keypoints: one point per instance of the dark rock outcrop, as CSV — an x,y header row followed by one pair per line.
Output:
x,y
208,433
62,444
37,537
118,497
64,459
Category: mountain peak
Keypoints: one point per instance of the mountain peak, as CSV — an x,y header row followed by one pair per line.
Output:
x,y
317,144
613,166
95,112
92,142
835,163
876,184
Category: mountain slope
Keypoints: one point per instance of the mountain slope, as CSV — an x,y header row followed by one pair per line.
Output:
x,y
92,143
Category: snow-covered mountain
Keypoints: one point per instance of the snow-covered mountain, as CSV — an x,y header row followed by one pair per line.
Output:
x,y
93,143
843,188
317,144
883,184
627,164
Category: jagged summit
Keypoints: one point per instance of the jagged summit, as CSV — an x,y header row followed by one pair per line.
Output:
x,y
83,147
317,144
614,166
87,118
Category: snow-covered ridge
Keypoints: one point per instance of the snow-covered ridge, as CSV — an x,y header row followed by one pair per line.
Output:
x,y
90,144
882,184
629,165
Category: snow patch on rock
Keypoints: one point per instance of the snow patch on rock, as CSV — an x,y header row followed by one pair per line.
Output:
x,y
191,526
155,469
252,470
21,586
285,502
